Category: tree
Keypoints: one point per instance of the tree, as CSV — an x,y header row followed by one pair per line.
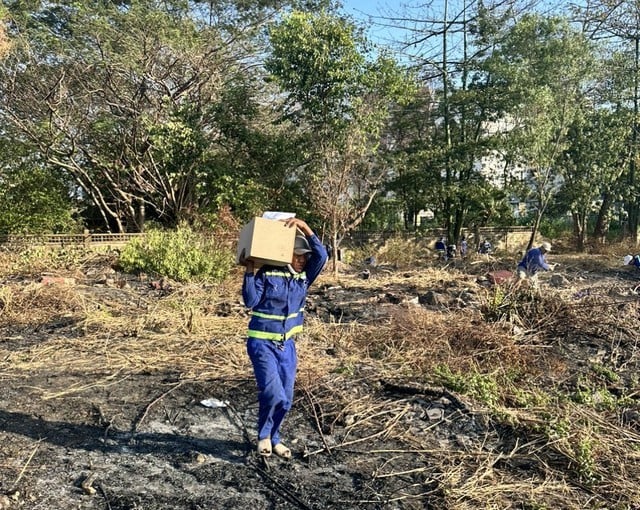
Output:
x,y
129,98
452,45
619,24
35,199
594,161
341,101
542,66
415,178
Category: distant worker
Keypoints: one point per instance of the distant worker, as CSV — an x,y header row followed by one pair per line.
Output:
x,y
533,262
441,247
631,260
463,246
485,247
451,251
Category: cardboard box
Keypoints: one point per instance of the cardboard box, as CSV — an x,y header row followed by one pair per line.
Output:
x,y
266,242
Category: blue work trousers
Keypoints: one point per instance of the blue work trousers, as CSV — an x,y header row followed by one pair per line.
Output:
x,y
274,366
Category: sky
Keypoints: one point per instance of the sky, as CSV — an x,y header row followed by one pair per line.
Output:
x,y
378,16
372,13
356,7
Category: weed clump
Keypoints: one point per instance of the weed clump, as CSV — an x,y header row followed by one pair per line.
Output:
x,y
182,255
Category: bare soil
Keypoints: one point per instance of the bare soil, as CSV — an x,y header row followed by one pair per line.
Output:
x,y
103,379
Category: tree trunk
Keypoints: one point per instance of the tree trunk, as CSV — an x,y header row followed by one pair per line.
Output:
x,y
579,227
534,229
632,205
602,223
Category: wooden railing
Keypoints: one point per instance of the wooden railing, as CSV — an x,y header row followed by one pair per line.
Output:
x,y
63,240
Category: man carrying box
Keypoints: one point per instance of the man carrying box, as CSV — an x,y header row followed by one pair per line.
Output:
x,y
276,296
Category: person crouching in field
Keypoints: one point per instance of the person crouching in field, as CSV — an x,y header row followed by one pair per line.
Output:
x,y
276,297
533,262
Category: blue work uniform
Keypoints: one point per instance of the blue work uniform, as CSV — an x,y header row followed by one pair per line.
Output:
x,y
533,261
276,297
463,248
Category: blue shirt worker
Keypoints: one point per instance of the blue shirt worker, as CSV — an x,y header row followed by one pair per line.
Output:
x,y
463,246
276,297
441,247
533,262
485,247
452,250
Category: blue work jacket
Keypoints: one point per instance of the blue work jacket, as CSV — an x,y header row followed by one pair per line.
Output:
x,y
276,296
534,261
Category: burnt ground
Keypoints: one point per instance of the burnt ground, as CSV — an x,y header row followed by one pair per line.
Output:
x,y
86,423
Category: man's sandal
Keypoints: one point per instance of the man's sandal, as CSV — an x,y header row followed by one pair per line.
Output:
x,y
282,451
264,447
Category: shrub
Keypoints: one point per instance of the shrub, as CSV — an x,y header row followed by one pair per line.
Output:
x,y
181,255
555,228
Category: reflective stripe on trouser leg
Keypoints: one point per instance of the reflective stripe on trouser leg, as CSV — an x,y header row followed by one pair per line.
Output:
x,y
275,372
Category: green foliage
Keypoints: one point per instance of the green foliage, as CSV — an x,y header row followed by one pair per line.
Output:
x,y
342,100
508,303
178,119
383,215
555,227
607,373
35,201
180,254
584,454
482,387
487,205
593,164
556,426
594,394
528,398
316,58
544,66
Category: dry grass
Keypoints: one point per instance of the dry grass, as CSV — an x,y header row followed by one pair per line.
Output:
x,y
516,367
119,332
5,44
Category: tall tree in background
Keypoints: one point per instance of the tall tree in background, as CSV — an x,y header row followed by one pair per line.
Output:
x,y
619,24
145,106
412,129
543,66
342,102
450,41
593,164
35,198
